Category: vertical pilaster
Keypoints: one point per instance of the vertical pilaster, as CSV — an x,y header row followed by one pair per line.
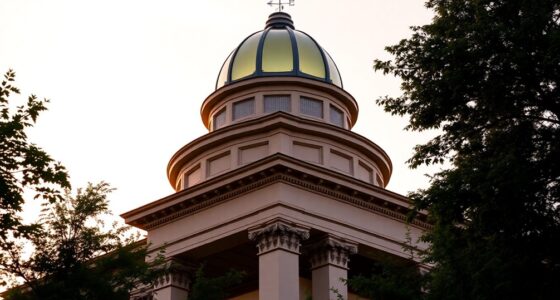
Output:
x,y
278,246
174,284
329,265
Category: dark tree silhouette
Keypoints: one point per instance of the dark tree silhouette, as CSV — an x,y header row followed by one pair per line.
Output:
x,y
76,255
73,254
486,74
23,165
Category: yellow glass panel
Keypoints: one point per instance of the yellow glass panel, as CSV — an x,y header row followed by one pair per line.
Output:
x,y
333,71
277,52
310,59
222,78
245,62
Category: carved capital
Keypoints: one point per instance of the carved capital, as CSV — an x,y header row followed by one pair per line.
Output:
x,y
177,274
279,235
331,251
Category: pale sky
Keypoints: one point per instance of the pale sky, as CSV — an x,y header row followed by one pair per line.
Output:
x,y
126,78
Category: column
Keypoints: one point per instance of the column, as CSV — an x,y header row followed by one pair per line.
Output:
x,y
329,267
278,246
174,284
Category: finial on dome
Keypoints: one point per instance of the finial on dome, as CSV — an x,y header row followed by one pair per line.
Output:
x,y
279,20
280,4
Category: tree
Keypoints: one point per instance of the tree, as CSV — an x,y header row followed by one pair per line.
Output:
x,y
23,165
214,288
392,278
74,257
486,75
390,281
73,254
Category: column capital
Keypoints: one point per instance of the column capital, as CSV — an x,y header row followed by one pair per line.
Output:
x,y
177,274
331,250
279,234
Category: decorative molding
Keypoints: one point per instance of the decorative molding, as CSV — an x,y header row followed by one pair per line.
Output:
x,y
196,204
279,235
274,174
177,274
188,154
331,251
356,198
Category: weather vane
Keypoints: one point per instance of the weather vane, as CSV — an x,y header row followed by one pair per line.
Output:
x,y
281,3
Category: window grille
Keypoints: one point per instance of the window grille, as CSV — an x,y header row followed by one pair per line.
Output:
x,y
243,108
277,103
311,107
219,119
336,116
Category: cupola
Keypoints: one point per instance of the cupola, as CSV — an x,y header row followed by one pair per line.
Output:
x,y
279,69
279,96
279,50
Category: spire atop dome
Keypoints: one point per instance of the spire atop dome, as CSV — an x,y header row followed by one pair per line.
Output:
x,y
280,4
279,20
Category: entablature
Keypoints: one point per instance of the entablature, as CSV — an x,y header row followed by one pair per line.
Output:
x,y
274,168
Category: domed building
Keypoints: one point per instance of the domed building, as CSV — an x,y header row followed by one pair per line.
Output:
x,y
280,187
279,50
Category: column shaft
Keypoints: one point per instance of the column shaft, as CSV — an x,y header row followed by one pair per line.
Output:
x,y
279,275
327,279
171,293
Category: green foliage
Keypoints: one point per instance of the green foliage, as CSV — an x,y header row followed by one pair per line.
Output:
x,y
338,295
485,73
215,288
72,255
76,255
23,165
392,278
390,281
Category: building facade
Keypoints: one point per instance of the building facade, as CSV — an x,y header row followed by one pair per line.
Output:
x,y
280,187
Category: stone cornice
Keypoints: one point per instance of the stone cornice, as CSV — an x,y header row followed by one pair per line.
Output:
x,y
273,169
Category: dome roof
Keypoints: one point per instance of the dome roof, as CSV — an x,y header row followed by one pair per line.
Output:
x,y
279,50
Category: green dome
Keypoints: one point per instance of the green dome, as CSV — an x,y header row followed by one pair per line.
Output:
x,y
279,50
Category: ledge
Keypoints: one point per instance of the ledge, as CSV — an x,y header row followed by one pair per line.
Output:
x,y
272,169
